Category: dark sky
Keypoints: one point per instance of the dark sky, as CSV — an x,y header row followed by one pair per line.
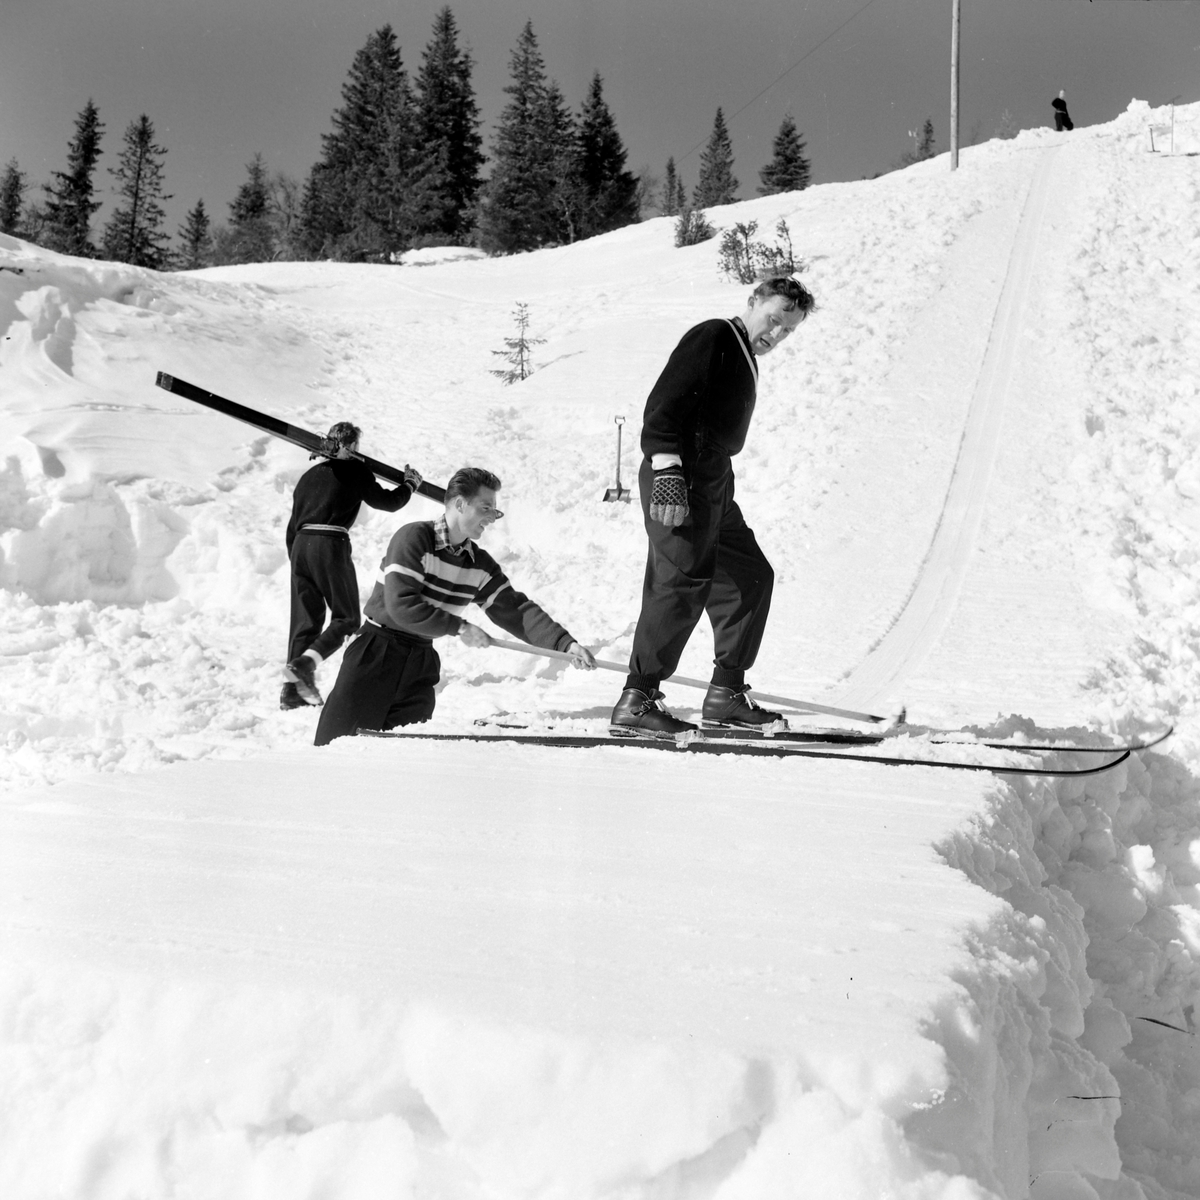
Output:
x,y
222,79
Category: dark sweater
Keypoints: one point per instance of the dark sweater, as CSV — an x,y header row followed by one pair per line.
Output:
x,y
707,388
332,492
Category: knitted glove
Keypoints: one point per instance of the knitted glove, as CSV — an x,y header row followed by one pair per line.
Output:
x,y
668,496
412,476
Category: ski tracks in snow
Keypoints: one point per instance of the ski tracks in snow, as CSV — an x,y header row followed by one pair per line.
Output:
x,y
935,593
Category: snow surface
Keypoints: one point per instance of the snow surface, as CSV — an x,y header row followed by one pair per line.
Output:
x,y
238,966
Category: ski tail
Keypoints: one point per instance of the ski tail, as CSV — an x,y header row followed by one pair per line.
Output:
x,y
304,438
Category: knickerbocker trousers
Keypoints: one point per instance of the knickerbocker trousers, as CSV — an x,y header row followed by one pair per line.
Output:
x,y
322,574
711,563
386,679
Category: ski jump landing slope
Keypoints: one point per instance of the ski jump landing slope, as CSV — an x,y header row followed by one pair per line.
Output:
x,y
940,581
234,965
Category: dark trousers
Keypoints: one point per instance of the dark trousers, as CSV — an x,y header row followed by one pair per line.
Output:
x,y
322,575
386,679
711,563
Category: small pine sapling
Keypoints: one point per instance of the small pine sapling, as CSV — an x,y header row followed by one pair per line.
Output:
x,y
737,252
779,259
746,260
517,353
692,227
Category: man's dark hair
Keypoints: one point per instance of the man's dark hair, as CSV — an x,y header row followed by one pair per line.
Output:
x,y
791,289
467,482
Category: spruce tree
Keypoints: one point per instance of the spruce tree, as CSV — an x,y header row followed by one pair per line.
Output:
x,y
559,160
358,200
196,236
399,180
922,145
609,190
134,232
250,237
35,227
519,207
717,184
250,203
321,218
788,170
672,186
69,206
283,209
12,197
925,145
448,122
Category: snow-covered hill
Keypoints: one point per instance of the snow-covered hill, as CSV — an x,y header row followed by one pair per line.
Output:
x,y
235,965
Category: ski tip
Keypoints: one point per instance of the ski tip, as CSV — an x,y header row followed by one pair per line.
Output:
x,y
1156,739
164,380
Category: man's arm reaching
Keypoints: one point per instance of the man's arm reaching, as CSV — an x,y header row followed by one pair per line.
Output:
x,y
515,613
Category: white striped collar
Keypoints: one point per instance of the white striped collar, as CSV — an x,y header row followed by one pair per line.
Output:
x,y
741,341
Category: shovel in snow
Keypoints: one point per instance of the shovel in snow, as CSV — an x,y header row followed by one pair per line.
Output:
x,y
618,492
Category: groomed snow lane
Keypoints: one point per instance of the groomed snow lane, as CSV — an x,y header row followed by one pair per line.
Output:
x,y
403,950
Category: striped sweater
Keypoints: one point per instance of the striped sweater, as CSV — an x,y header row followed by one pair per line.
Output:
x,y
425,584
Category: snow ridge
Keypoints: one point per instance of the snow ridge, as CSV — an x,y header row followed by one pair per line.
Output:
x,y
1085,990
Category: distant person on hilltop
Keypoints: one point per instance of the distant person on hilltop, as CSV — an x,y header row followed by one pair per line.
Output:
x,y
432,570
324,506
1062,119
702,555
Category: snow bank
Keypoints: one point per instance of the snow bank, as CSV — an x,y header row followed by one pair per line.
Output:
x,y
1136,312
1101,878
117,1088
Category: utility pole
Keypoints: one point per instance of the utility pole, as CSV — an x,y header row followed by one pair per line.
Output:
x,y
955,32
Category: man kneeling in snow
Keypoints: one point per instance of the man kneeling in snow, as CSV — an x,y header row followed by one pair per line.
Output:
x,y
432,570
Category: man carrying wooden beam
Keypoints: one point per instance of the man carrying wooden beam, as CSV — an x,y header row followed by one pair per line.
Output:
x,y
324,507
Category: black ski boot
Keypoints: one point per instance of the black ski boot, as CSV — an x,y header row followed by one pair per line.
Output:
x,y
302,672
732,706
639,714
290,698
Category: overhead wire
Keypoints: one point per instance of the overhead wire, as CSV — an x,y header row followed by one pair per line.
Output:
x,y
807,54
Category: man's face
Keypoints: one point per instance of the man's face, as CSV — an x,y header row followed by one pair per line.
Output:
x,y
769,321
479,512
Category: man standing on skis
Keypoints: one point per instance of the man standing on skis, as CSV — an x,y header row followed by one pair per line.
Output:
x,y
324,506
702,555
432,570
